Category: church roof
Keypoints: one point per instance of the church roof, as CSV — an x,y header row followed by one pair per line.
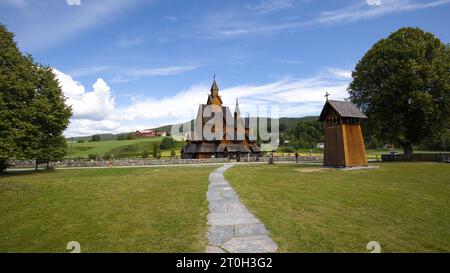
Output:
x,y
342,108
214,86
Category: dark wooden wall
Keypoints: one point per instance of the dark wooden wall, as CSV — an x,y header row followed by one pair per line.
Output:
x,y
334,149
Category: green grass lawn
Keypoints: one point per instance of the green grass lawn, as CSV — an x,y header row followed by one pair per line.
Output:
x,y
404,206
105,210
103,147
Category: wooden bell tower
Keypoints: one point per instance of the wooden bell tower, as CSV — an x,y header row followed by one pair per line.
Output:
x,y
344,143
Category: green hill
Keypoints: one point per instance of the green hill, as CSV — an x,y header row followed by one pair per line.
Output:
x,y
134,148
121,148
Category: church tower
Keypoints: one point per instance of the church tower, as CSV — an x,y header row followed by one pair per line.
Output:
x,y
213,97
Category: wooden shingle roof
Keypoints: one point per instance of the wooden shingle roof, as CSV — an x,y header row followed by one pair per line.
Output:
x,y
343,108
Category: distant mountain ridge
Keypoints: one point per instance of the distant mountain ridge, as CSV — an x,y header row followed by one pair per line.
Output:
x,y
286,121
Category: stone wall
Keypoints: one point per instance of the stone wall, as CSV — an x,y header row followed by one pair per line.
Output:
x,y
430,157
283,158
149,162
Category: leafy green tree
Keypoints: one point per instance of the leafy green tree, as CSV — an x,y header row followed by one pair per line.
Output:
x,y
403,85
167,143
33,113
81,141
96,138
51,116
131,136
121,137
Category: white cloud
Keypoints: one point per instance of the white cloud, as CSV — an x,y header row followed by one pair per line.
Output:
x,y
288,61
97,104
95,111
373,2
268,6
163,71
230,26
73,2
339,73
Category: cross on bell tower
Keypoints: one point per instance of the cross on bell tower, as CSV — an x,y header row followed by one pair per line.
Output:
x,y
326,95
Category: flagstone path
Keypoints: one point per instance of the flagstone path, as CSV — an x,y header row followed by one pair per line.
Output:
x,y
232,228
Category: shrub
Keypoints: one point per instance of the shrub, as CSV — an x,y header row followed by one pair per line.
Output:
x,y
93,156
81,141
287,149
167,143
172,153
107,156
131,136
121,137
155,150
145,154
96,138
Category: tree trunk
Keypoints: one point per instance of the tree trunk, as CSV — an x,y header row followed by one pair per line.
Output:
x,y
3,164
407,150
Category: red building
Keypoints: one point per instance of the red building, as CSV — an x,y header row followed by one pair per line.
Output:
x,y
145,133
149,133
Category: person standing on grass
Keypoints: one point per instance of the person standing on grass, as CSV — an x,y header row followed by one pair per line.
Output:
x,y
296,157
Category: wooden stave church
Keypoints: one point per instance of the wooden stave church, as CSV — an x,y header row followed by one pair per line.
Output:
x,y
344,142
227,147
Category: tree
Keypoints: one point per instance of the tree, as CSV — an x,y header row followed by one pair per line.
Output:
x,y
121,137
96,138
403,85
33,113
51,117
155,150
131,136
167,143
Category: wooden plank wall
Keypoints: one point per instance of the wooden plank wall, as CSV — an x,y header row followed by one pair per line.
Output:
x,y
355,153
334,149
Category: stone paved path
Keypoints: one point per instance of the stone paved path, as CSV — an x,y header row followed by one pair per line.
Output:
x,y
232,228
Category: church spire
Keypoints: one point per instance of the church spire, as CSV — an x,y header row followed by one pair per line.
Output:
x,y
237,111
214,88
214,97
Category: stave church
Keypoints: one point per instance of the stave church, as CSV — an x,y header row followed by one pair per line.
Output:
x,y
236,137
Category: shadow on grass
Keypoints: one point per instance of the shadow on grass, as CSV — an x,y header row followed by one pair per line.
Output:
x,y
22,172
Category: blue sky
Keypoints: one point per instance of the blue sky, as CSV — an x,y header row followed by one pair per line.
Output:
x,y
135,64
